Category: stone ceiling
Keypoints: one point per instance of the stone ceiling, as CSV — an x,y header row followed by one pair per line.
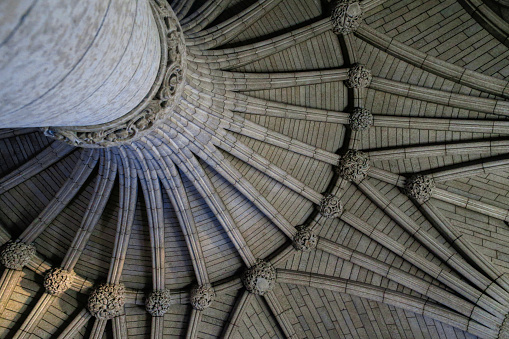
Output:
x,y
316,178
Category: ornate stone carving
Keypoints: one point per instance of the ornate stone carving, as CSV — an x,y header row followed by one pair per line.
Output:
x,y
330,206
260,278
353,166
202,296
305,240
159,102
58,280
361,119
358,77
16,255
107,301
420,187
346,16
158,302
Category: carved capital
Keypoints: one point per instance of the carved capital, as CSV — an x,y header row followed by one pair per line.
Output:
x,y
420,187
202,296
58,281
158,302
16,255
353,166
305,240
346,16
107,301
260,278
361,119
358,77
330,206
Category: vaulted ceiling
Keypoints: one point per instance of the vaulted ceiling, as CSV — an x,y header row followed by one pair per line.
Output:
x,y
256,167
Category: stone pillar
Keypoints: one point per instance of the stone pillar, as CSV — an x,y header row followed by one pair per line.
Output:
x,y
75,63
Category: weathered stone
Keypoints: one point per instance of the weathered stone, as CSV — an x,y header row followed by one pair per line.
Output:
x,y
503,332
107,301
354,166
346,16
158,302
202,296
420,187
361,119
358,77
16,255
305,240
58,280
330,206
260,278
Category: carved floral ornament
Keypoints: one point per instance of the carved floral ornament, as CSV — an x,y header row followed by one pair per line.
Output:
x,y
162,97
202,296
304,240
58,281
158,302
330,206
260,278
107,301
359,76
346,16
420,187
353,166
361,119
16,255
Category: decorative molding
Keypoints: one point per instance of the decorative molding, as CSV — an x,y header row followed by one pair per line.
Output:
x,y
162,97
158,302
346,16
305,240
353,166
359,76
420,187
361,119
202,296
503,333
58,280
330,206
260,278
107,301
16,255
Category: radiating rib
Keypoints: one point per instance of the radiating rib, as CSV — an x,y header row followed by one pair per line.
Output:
x,y
465,171
76,324
240,56
441,124
194,323
490,147
119,325
238,82
81,172
231,28
35,316
236,315
100,196
280,315
8,282
50,155
445,253
452,281
128,180
488,19
195,173
14,132
433,65
386,296
98,329
182,8
174,186
203,16
388,177
478,104
151,188
216,160
157,328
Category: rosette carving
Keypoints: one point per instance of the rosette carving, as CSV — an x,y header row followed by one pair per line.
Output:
x,y
358,77
260,278
107,301
353,166
16,255
420,187
158,302
346,16
361,119
330,206
58,280
202,296
305,240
